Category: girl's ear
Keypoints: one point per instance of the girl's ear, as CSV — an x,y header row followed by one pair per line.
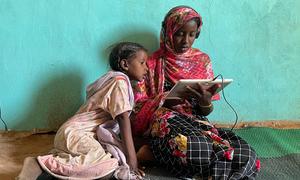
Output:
x,y
124,64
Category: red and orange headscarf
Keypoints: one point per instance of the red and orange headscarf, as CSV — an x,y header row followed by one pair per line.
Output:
x,y
174,20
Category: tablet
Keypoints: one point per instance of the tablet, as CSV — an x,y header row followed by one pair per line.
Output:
x,y
181,85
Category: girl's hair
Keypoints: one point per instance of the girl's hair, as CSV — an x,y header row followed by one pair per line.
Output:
x,y
123,50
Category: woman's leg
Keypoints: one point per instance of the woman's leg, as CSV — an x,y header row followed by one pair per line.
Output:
x,y
178,144
243,164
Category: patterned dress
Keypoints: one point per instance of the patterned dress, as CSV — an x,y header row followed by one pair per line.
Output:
x,y
178,141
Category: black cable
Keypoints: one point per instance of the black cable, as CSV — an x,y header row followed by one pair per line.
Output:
x,y
223,94
5,125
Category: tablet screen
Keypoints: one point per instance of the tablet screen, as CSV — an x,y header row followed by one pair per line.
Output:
x,y
180,86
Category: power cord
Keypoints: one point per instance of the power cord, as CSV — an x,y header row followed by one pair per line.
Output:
x,y
5,125
223,94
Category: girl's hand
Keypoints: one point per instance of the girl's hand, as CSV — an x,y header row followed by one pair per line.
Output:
x,y
133,164
203,93
173,102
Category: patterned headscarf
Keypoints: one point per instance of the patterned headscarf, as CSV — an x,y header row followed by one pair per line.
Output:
x,y
166,64
174,20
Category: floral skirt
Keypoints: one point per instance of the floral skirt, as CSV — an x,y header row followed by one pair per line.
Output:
x,y
186,146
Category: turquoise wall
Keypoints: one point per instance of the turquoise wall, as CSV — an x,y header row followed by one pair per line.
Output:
x,y
50,50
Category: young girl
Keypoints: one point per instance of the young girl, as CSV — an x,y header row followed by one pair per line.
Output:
x,y
77,153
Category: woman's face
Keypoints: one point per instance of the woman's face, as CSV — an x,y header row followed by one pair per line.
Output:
x,y
184,38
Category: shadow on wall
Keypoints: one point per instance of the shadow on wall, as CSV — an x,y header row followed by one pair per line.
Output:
x,y
146,38
54,102
60,96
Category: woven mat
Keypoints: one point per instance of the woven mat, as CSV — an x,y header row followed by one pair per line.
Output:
x,y
281,168
279,151
271,143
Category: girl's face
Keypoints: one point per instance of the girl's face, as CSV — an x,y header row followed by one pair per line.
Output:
x,y
137,67
184,38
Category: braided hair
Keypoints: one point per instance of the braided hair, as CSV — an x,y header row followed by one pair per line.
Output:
x,y
123,50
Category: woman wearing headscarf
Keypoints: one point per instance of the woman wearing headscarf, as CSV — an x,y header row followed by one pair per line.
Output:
x,y
180,136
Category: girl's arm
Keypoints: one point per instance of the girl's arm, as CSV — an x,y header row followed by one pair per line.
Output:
x,y
126,136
